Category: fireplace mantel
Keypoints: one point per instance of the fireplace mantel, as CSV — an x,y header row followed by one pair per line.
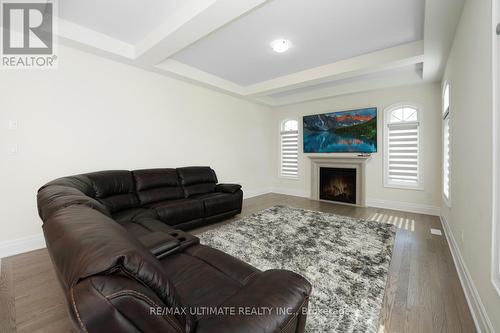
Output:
x,y
357,162
335,157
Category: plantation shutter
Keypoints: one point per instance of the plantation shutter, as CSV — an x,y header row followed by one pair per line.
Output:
x,y
289,153
403,154
446,143
446,157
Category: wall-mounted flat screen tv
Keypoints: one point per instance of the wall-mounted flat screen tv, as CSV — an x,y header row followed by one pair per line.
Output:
x,y
352,131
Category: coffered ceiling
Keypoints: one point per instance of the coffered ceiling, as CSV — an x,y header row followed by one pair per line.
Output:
x,y
337,46
321,32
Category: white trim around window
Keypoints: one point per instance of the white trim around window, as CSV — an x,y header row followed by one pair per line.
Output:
x,y
403,146
495,257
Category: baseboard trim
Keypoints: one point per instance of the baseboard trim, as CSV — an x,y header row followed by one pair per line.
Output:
x,y
251,194
21,245
372,202
295,193
404,206
481,319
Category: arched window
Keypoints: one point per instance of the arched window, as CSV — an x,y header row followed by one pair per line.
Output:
x,y
446,98
446,143
289,138
402,147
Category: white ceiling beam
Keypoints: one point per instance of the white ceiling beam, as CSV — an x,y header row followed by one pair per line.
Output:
x,y
441,20
399,78
88,40
407,54
196,75
190,25
264,100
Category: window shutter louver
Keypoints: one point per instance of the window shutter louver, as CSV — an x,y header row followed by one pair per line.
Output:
x,y
446,157
403,155
289,153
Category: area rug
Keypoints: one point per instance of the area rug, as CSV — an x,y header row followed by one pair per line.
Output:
x,y
345,259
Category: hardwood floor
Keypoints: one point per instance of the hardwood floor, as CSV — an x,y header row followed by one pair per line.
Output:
x,y
423,292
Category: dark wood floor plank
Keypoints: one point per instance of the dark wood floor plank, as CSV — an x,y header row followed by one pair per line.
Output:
x,y
423,291
393,315
7,300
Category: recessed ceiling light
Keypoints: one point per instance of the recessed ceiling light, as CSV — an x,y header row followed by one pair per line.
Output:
x,y
280,45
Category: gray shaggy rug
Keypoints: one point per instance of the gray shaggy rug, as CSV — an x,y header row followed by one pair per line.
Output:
x,y
345,259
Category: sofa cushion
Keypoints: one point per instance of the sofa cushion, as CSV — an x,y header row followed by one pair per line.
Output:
x,y
232,267
222,275
197,283
273,289
218,202
154,225
155,185
146,225
174,212
134,214
80,182
196,180
54,197
114,189
135,229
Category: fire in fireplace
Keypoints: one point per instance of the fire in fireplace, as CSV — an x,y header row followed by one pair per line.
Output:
x,y
337,184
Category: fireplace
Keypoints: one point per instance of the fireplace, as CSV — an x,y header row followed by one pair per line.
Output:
x,y
351,169
337,184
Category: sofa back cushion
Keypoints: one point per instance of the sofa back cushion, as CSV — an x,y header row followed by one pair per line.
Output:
x,y
54,197
85,244
197,180
114,189
153,185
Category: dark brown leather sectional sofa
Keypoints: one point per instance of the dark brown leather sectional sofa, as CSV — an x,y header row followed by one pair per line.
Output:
x,y
125,264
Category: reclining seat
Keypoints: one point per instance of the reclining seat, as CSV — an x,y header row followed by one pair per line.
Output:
x,y
160,190
116,191
223,281
186,198
220,201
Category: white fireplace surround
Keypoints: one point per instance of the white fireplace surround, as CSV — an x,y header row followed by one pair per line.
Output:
x,y
344,161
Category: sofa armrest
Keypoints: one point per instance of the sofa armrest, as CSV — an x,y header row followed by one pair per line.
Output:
x,y
273,301
227,188
159,243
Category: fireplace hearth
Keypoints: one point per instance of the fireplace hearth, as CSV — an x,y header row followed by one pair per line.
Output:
x,y
337,184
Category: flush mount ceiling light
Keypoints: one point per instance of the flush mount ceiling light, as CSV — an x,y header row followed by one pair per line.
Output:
x,y
280,45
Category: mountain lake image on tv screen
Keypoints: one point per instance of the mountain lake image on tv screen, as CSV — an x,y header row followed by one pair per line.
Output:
x,y
352,131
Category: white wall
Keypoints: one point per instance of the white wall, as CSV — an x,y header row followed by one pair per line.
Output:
x,y
95,114
426,95
469,71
